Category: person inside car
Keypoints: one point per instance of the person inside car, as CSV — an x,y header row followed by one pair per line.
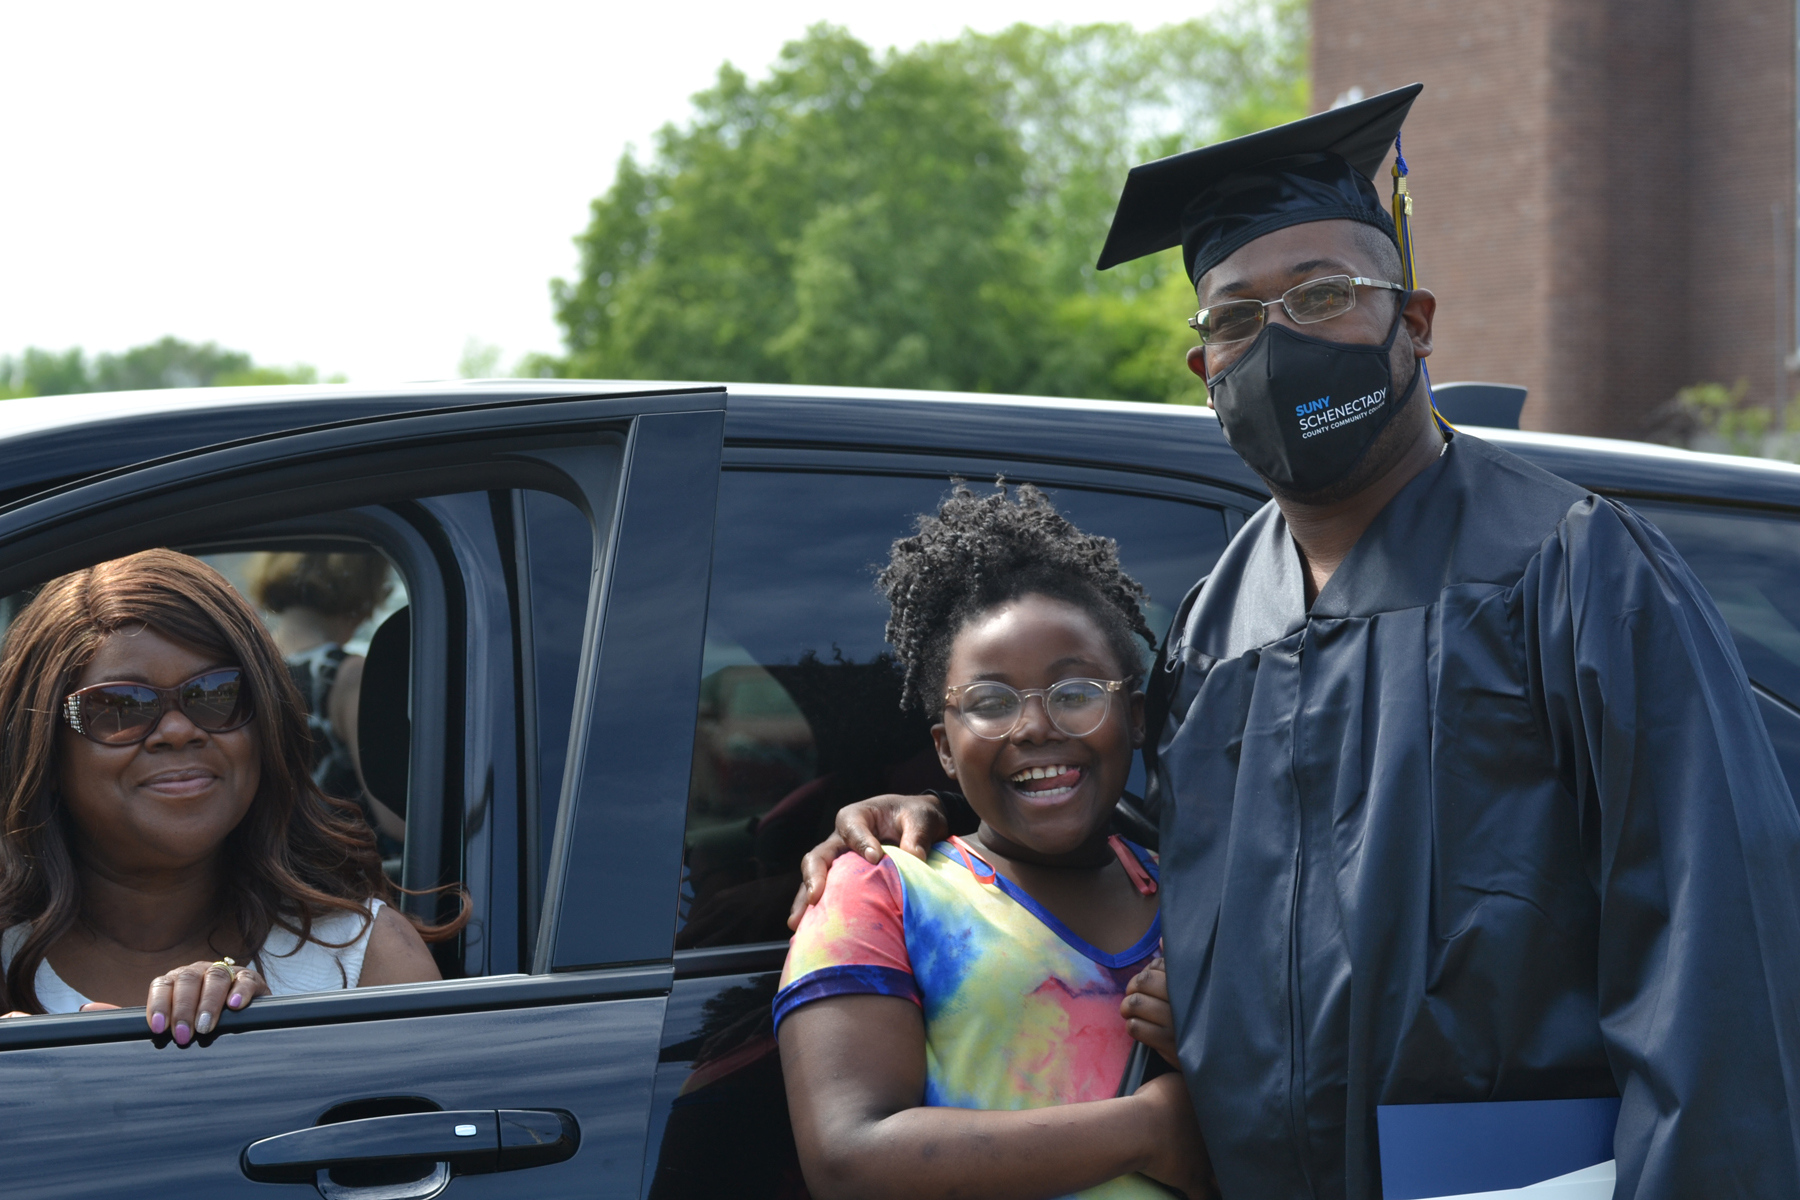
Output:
x,y
319,601
164,841
1465,797
962,1025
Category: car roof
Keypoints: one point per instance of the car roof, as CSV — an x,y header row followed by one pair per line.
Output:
x,y
48,439
1644,469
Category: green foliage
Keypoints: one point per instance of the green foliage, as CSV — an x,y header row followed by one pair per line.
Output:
x,y
266,376
538,365
480,360
1089,102
1722,415
43,373
843,221
921,219
167,363
1129,346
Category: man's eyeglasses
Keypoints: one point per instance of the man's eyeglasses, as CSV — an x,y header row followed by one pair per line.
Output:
x,y
994,710
1307,303
124,714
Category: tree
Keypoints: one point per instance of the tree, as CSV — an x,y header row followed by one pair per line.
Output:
x,y
1713,417
167,363
480,360
844,221
43,373
922,219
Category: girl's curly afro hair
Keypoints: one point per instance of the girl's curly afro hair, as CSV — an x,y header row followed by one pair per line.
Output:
x,y
981,551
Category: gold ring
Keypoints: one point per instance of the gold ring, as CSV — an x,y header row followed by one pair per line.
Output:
x,y
229,963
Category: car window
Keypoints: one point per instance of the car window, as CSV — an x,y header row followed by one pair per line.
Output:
x,y
323,603
501,576
1750,563
799,707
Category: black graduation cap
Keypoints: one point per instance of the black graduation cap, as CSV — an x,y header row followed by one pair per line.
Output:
x,y
1213,200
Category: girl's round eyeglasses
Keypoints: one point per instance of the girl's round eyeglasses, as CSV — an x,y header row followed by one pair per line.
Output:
x,y
993,710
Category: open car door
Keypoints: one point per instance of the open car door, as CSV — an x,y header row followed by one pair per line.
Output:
x,y
555,557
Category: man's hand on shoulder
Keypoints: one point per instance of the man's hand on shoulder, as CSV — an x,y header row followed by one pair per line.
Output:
x,y
916,823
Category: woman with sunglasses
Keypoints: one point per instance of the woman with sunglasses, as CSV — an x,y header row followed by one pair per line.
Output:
x,y
963,1025
164,842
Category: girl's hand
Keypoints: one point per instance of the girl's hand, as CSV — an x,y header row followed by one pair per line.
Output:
x,y
90,1006
191,999
1179,1157
1147,1011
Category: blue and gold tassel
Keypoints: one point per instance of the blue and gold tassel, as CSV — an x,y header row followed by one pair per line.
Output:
x,y
1409,277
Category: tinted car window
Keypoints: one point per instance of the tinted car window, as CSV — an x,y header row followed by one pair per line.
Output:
x,y
1750,562
799,709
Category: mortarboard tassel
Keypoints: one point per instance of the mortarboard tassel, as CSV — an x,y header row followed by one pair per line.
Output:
x,y
1408,272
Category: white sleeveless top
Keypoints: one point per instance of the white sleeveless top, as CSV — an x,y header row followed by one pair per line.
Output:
x,y
289,965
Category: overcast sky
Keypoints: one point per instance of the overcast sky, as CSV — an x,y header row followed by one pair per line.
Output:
x,y
362,187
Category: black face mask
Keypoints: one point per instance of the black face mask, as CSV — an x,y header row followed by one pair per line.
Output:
x,y
1302,411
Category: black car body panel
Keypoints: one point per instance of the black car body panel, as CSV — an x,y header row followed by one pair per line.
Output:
x,y
171,1122
624,726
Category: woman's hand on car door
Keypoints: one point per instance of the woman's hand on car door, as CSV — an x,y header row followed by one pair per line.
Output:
x,y
189,1001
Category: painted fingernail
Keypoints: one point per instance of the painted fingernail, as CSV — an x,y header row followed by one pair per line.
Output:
x,y
158,1022
182,1033
205,1023
237,1000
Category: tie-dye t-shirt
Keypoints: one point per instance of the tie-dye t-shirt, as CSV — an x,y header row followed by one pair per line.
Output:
x,y
1019,1012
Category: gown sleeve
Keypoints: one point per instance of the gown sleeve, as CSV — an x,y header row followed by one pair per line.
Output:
x,y
1165,699
1692,842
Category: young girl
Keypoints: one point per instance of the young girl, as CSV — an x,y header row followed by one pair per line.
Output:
x,y
954,1027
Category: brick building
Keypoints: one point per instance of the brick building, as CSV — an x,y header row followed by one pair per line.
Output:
x,y
1605,190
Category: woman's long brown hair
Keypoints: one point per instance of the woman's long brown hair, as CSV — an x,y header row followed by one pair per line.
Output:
x,y
297,855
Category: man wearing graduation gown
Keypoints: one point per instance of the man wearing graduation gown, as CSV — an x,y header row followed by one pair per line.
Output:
x,y
1463,792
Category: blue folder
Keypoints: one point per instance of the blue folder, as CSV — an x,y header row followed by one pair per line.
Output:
x,y
1453,1149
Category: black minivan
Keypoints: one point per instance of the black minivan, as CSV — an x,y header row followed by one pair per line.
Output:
x,y
635,662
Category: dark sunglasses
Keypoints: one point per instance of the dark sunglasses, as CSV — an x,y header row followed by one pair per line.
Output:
x,y
123,714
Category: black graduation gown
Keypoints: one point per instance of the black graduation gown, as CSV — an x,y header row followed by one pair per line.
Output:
x,y
1497,820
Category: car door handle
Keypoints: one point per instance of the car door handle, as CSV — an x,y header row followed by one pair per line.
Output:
x,y
464,1142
